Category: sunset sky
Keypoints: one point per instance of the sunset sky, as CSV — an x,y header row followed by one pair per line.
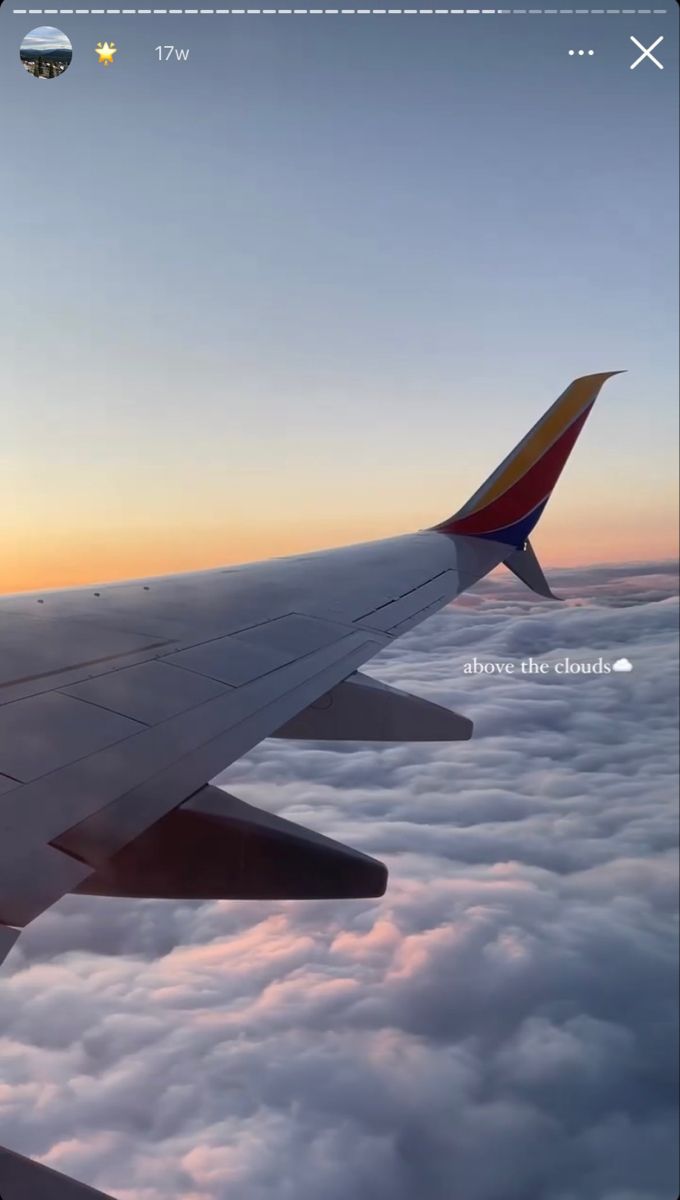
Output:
x,y
310,287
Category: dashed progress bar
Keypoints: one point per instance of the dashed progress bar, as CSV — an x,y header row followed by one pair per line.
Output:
x,y
338,12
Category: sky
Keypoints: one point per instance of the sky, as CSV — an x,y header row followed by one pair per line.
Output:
x,y
45,37
309,286
501,1025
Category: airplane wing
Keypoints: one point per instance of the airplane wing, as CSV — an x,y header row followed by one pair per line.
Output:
x,y
119,703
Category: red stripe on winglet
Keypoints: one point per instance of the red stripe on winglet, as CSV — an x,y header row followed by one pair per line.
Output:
x,y
524,495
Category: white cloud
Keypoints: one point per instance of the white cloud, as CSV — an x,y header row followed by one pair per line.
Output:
x,y
499,1027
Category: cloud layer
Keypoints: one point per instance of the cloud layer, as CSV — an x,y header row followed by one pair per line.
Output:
x,y
501,1026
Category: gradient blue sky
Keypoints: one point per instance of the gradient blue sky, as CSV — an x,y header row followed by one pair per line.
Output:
x,y
310,286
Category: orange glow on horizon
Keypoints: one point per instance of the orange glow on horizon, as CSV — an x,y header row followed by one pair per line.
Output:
x,y
82,557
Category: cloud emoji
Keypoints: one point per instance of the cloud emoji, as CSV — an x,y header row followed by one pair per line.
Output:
x,y
622,664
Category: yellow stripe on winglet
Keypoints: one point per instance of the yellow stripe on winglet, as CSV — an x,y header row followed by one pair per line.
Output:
x,y
551,426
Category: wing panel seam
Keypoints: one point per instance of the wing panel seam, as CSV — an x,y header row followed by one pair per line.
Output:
x,y
408,592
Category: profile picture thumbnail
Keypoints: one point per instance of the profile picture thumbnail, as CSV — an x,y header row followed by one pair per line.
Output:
x,y
46,52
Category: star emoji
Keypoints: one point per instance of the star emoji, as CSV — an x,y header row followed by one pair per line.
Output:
x,y
106,51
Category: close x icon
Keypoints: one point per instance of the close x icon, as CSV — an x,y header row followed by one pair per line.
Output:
x,y
646,53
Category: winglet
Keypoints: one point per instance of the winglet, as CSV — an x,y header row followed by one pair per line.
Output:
x,y
507,506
